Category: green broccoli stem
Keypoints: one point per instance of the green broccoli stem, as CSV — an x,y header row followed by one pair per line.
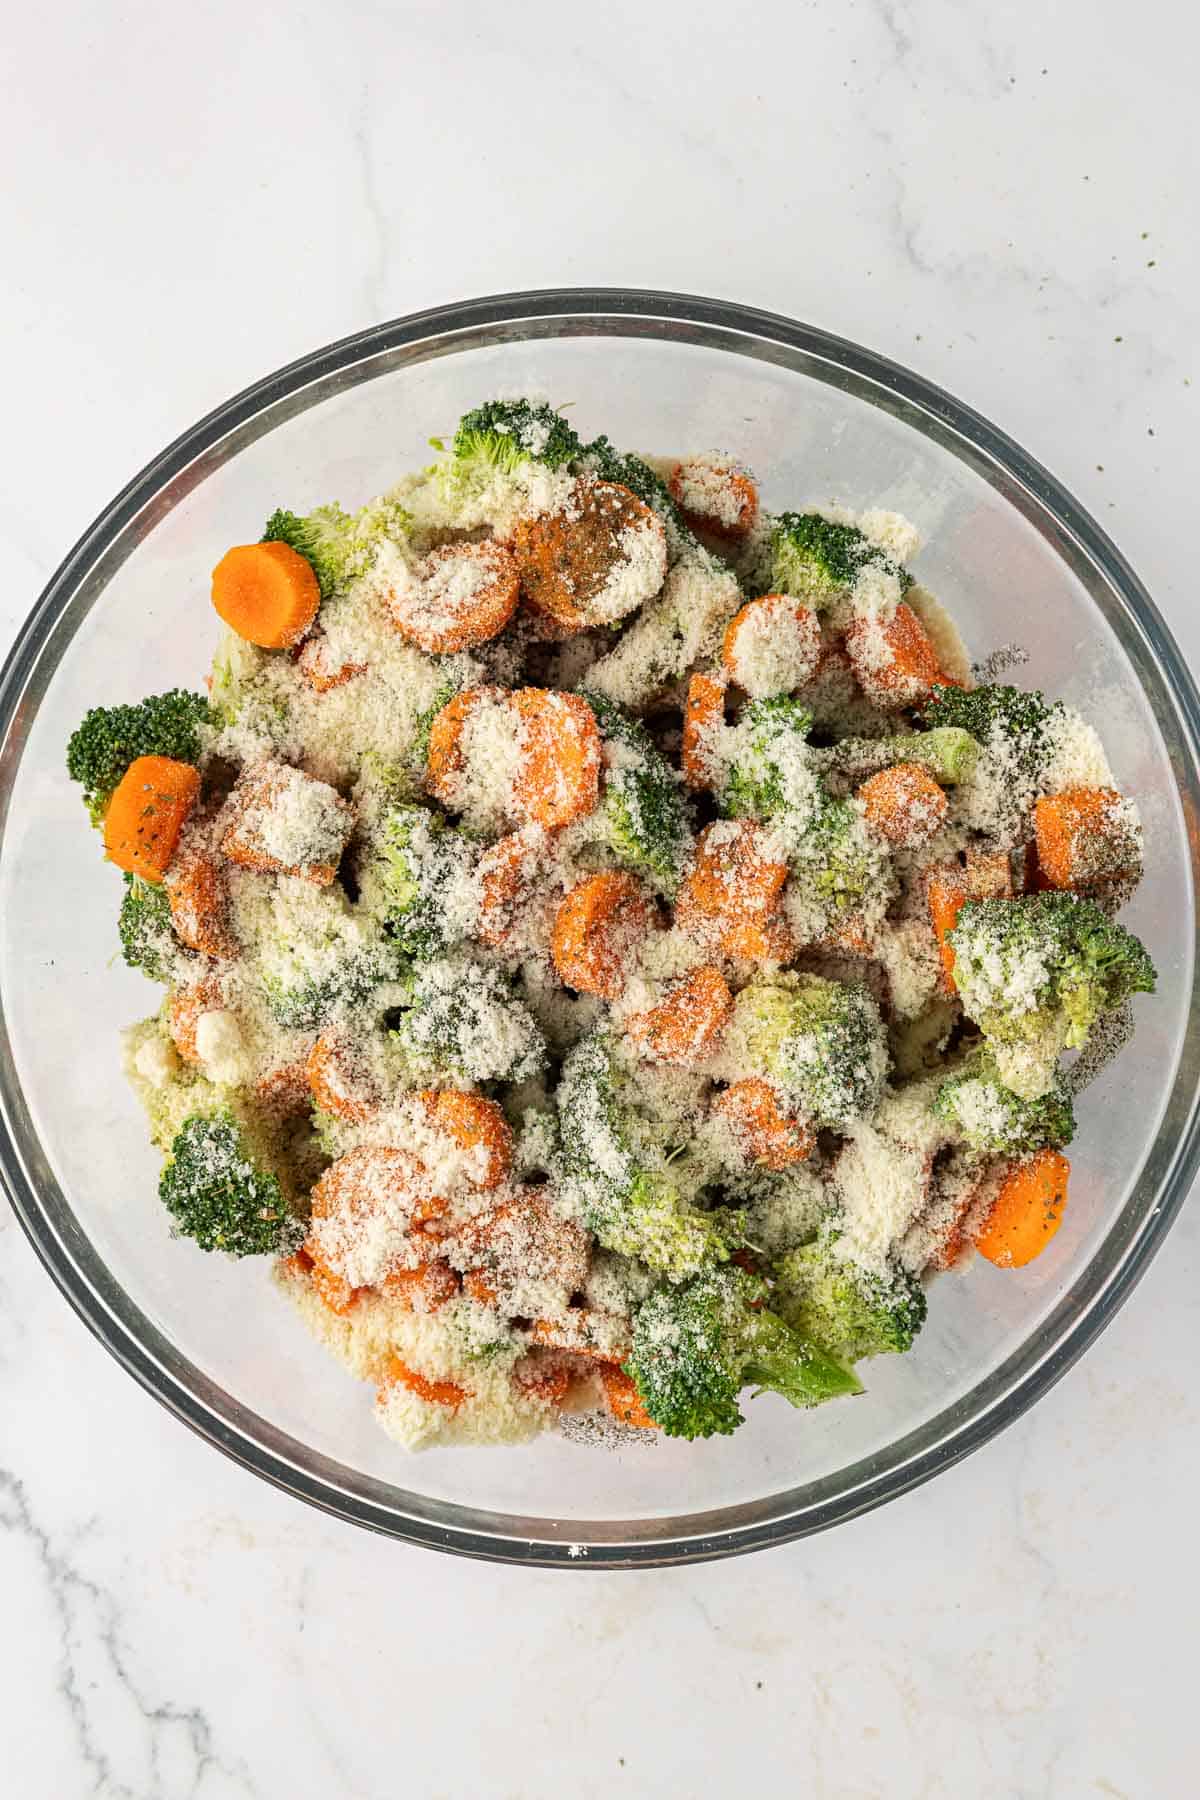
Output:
x,y
948,753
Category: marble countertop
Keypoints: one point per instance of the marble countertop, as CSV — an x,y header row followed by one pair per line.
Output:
x,y
999,197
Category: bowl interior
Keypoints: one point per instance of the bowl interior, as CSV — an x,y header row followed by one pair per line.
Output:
x,y
214,1337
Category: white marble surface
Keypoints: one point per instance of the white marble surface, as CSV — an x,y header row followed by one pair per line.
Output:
x,y
1002,196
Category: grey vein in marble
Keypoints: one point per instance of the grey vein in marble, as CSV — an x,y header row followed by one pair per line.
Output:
x,y
177,1755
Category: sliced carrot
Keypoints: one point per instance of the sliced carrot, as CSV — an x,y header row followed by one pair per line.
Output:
x,y
358,1185
322,671
772,645
284,1091
339,1079
580,1330
894,659
622,1398
474,1124
444,761
732,891
594,560
438,1393
544,1377
146,814
904,805
946,893
703,717
1084,840
507,873
766,1133
684,1027
715,496
1028,1211
267,593
558,777
272,791
199,904
596,931
989,874
455,597
332,1289
522,1233
849,938
188,1006
424,1288
479,1288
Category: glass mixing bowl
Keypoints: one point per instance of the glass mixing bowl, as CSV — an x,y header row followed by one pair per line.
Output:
x,y
128,613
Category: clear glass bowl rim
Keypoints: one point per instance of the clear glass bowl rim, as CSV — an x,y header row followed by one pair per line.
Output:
x,y
1003,1395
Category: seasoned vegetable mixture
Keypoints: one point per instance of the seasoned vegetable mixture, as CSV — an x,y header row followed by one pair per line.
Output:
x,y
614,952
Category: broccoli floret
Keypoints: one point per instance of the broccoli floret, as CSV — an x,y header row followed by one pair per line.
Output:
x,y
846,1311
1036,973
642,813
949,753
111,737
413,864
304,1004
148,940
697,1345
217,1194
822,1042
619,1160
611,464
1013,714
769,762
991,1117
465,1020
339,545
506,433
818,561
836,867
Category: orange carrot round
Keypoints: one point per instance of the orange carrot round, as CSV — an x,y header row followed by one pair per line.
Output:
x,y
715,496
284,1091
339,1079
904,805
1084,841
506,873
622,1398
267,593
772,645
558,779
355,1185
199,906
331,1289
543,1377
595,930
457,596
946,893
424,1288
444,758
767,1134
473,1123
439,1393
593,561
684,1027
146,814
188,1006
894,660
323,672
732,891
1027,1212
703,717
